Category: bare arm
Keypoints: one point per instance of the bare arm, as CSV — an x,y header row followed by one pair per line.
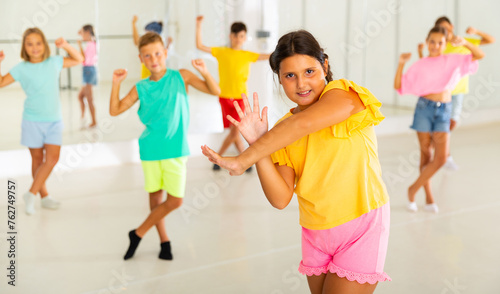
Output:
x,y
75,58
420,50
117,106
485,38
278,182
334,107
81,49
264,57
477,53
403,58
6,79
135,33
199,43
208,85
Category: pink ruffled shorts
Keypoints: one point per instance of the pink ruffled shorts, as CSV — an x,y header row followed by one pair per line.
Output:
x,y
355,250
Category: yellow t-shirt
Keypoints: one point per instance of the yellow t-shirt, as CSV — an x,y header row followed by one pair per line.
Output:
x,y
145,73
337,172
462,86
234,68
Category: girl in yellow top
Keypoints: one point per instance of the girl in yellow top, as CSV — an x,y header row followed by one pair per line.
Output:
x,y
324,150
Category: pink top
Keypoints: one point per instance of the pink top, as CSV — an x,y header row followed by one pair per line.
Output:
x,y
90,54
431,75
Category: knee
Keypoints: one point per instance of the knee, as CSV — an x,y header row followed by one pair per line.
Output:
x,y
440,160
52,160
175,203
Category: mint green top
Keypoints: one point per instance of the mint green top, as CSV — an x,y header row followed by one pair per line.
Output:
x,y
164,110
40,82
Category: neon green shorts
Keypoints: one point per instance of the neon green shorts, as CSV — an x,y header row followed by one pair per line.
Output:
x,y
166,174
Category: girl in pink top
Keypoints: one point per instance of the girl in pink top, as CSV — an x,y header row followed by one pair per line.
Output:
x,y
433,78
89,72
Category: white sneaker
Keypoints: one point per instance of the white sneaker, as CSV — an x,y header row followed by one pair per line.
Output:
x,y
431,208
29,203
50,203
450,164
412,206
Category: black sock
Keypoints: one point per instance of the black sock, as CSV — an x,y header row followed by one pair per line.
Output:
x,y
165,252
134,242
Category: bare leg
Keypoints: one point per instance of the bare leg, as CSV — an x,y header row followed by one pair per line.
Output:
x,y
426,145
316,283
441,143
90,102
44,170
335,285
453,124
158,214
156,199
36,161
230,139
81,95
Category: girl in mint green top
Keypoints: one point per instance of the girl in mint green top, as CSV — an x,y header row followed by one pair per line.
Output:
x,y
41,125
164,110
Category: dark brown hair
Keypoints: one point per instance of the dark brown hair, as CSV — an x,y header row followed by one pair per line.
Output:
x,y
437,30
149,38
299,42
238,27
440,20
89,28
24,54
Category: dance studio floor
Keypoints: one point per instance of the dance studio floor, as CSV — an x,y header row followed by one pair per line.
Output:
x,y
228,239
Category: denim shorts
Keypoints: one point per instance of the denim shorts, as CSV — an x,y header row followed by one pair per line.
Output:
x,y
36,134
89,75
457,101
431,116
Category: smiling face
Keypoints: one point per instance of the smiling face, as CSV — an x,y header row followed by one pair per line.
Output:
x,y
153,56
436,43
34,46
303,79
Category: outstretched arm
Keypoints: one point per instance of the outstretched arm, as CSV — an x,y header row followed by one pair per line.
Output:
x,y
277,182
75,57
403,58
6,79
117,106
135,33
334,107
264,56
477,53
208,85
485,38
199,43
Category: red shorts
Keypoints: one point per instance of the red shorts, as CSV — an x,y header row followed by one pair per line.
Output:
x,y
227,107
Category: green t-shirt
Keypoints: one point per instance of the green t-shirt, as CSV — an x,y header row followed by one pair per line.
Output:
x,y
164,110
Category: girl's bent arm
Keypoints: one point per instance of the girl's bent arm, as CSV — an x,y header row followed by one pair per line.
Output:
x,y
334,107
75,58
6,80
277,182
477,53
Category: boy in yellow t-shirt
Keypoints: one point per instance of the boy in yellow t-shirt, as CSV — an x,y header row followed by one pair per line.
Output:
x,y
462,87
234,68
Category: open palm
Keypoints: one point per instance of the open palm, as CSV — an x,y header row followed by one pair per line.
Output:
x,y
251,125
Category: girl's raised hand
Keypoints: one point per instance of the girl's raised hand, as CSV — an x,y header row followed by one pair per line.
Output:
x,y
471,31
2,56
252,125
134,19
61,42
199,65
457,41
404,57
199,18
232,164
119,75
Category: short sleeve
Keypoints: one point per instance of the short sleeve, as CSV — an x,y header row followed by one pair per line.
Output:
x,y
281,158
468,66
58,61
473,41
15,72
409,80
370,116
216,51
252,56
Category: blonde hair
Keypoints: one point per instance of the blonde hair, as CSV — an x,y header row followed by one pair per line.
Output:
x,y
24,54
149,38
